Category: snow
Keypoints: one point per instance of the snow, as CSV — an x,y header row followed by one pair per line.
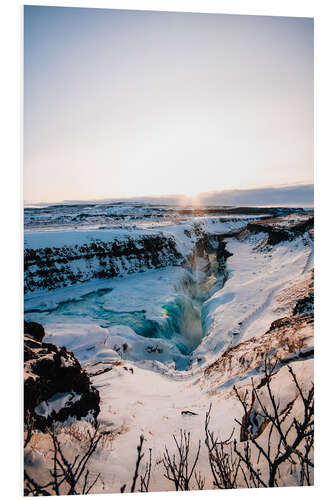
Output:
x,y
60,239
56,403
245,306
82,316
69,238
154,411
145,383
124,343
150,403
145,292
78,316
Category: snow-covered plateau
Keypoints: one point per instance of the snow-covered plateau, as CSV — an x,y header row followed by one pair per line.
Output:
x,y
167,310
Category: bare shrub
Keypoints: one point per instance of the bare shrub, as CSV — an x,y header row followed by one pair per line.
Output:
x,y
286,441
223,464
145,477
67,478
30,422
295,437
177,468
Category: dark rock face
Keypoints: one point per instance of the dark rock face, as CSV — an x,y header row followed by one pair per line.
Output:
x,y
304,306
278,323
212,243
229,210
50,268
55,385
222,254
34,330
281,228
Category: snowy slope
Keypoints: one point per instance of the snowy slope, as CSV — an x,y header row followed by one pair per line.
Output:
x,y
249,308
246,305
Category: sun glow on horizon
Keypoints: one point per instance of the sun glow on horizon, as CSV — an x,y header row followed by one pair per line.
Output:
x,y
121,104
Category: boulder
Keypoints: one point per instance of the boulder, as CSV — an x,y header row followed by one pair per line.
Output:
x,y
55,385
34,330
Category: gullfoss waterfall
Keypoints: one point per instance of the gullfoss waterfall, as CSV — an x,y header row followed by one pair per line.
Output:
x,y
194,305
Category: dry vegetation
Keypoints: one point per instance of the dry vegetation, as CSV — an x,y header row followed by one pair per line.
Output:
x,y
286,441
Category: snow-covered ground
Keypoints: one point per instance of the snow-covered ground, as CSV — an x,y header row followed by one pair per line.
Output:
x,y
153,341
119,214
246,305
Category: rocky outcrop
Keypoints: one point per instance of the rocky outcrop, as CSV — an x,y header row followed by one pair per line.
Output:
x,y
34,330
304,306
211,244
52,267
288,339
55,385
284,228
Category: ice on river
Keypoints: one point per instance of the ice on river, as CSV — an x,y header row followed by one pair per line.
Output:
x,y
150,313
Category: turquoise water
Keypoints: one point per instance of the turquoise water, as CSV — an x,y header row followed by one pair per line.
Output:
x,y
180,322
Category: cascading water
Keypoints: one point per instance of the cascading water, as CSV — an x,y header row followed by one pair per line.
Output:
x,y
180,322
184,322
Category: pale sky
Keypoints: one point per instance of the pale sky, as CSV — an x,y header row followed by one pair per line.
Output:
x,y
128,103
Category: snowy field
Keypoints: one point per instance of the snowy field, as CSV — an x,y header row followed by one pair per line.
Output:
x,y
152,336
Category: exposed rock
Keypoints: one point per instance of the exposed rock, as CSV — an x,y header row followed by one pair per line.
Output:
x,y
50,268
188,412
254,422
229,210
282,228
34,330
154,348
299,292
55,385
278,323
304,306
286,340
208,244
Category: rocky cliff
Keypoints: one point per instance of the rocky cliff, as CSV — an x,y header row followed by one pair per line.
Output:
x,y
55,267
55,385
284,228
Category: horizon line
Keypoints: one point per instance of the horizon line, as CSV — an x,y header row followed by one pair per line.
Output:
x,y
177,197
